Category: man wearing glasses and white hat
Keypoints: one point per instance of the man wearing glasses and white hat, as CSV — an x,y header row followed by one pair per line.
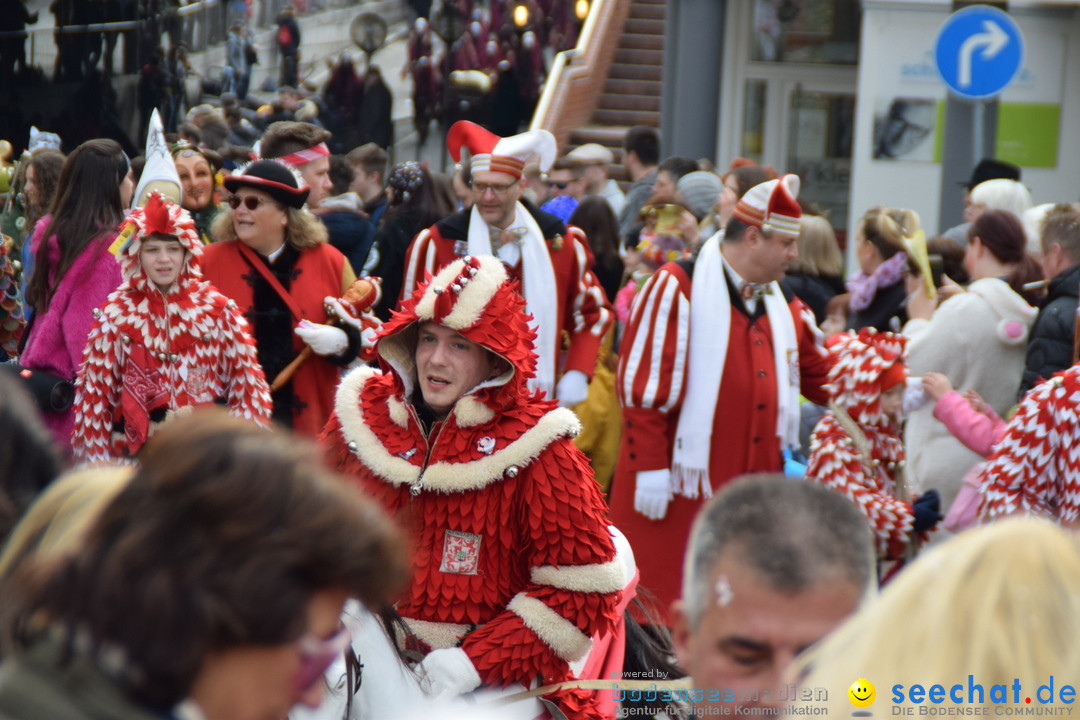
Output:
x,y
552,261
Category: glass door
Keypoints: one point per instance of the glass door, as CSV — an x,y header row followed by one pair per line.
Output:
x,y
820,123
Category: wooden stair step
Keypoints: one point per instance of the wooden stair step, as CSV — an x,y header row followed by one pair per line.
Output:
x,y
620,86
647,11
626,117
644,26
610,136
637,41
647,103
628,71
639,57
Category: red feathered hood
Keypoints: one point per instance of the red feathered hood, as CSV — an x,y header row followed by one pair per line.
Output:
x,y
855,378
158,217
475,297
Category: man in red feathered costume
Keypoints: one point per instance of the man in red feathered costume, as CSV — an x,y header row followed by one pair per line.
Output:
x,y
516,573
165,340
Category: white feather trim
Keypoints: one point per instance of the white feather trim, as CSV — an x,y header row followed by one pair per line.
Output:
x,y
599,578
558,633
436,635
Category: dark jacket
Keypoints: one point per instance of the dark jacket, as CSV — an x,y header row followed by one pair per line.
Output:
x,y
814,290
885,312
351,233
1050,344
387,259
37,685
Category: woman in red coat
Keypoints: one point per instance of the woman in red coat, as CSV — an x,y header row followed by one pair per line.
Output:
x,y
272,258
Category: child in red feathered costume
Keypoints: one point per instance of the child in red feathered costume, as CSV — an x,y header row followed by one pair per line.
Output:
x,y
165,340
516,573
857,447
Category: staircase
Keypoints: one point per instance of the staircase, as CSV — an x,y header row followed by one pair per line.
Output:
x,y
631,93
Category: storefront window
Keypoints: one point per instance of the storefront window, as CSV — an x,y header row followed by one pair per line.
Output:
x,y
753,138
822,125
824,32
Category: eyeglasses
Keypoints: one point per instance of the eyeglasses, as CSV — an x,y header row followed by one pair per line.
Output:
x,y
499,190
317,654
250,202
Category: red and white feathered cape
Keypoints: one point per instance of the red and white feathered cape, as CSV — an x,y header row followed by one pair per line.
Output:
x,y
151,353
836,462
513,559
1035,469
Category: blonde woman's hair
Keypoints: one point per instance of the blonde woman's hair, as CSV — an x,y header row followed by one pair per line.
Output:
x,y
998,603
887,227
819,253
304,230
61,515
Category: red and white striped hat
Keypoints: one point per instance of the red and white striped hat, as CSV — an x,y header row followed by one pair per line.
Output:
x,y
492,153
772,206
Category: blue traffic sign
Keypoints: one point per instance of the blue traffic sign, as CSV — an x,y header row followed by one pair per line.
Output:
x,y
979,50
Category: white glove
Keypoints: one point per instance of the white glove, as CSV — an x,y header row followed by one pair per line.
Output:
x,y
447,673
322,339
572,389
652,493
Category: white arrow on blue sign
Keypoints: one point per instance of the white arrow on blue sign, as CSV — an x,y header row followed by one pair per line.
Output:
x,y
979,50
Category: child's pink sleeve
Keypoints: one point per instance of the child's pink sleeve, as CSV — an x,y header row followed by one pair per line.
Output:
x,y
979,433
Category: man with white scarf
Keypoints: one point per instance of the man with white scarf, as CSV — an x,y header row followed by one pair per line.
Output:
x,y
710,382
551,260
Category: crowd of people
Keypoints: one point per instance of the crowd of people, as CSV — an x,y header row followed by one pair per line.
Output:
x,y
472,424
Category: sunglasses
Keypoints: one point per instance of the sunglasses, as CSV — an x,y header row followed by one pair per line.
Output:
x,y
317,654
250,202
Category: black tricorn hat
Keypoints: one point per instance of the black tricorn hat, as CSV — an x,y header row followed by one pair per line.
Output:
x,y
272,178
991,169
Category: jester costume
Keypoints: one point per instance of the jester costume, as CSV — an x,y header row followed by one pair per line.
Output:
x,y
856,449
513,560
151,353
1035,469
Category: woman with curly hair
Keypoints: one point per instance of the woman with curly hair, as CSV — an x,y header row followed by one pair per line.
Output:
x,y
272,258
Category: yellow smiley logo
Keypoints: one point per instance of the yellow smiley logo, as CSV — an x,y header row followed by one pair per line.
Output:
x,y
862,693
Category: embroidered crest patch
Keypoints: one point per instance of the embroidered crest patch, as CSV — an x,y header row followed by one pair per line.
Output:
x,y
198,380
461,553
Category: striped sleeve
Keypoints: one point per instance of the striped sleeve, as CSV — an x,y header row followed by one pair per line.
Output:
x,y
835,463
652,366
419,260
97,392
244,382
589,313
1034,469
